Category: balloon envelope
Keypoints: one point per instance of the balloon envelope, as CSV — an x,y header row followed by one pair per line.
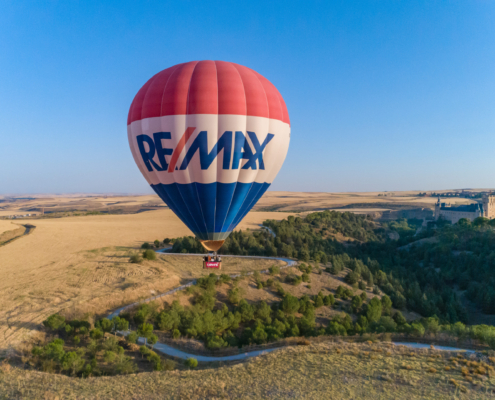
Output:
x,y
209,137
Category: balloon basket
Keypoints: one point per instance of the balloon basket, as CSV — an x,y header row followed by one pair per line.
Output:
x,y
212,261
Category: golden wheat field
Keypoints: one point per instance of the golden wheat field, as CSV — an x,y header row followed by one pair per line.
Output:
x,y
81,264
271,201
297,201
326,370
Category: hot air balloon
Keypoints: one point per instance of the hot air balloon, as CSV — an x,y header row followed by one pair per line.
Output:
x,y
209,137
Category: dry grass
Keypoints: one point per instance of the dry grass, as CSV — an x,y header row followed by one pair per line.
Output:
x,y
189,267
276,201
73,264
317,371
289,201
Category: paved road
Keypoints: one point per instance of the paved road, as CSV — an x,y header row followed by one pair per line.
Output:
x,y
173,352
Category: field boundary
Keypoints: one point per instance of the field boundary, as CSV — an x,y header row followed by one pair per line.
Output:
x,y
28,229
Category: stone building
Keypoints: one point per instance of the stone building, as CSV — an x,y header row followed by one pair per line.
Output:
x,y
469,211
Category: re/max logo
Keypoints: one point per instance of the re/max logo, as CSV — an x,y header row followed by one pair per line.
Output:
x,y
230,142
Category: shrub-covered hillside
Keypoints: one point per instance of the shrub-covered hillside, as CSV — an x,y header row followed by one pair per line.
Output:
x,y
423,278
305,238
376,260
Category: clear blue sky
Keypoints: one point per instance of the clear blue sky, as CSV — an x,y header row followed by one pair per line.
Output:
x,y
382,95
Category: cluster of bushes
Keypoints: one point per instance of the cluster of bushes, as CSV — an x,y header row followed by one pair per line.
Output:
x,y
153,358
260,284
148,254
156,244
78,353
241,323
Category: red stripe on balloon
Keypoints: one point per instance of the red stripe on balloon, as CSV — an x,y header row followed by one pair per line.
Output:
x,y
180,146
208,87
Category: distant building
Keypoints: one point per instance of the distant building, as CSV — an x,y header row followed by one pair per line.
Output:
x,y
453,214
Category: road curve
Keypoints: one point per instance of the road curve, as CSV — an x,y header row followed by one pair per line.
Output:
x,y
173,352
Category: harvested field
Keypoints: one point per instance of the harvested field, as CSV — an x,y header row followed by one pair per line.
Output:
x,y
295,201
271,201
327,370
6,225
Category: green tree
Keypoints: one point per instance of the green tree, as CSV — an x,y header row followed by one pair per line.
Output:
x,y
373,310
290,304
386,324
109,356
274,270
52,351
245,310
72,362
329,300
263,310
96,334
152,340
120,324
149,255
399,318
145,330
417,329
319,300
132,337
386,305
54,322
191,363
352,277
93,347
235,295
303,255
106,325
356,303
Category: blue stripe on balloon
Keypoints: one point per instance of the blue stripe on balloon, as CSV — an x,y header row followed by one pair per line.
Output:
x,y
251,199
207,198
211,207
225,194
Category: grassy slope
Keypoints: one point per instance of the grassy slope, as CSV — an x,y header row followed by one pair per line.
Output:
x,y
319,371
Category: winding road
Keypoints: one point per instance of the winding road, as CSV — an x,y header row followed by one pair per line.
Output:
x,y
173,352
